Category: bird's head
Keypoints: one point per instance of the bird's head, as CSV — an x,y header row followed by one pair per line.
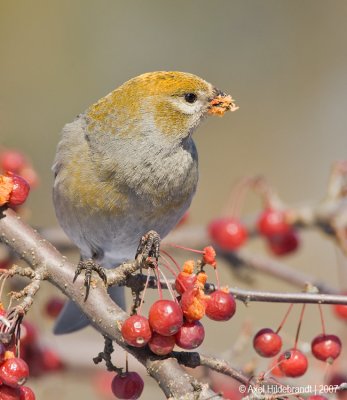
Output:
x,y
165,103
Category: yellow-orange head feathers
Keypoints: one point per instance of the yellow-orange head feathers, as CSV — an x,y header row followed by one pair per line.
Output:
x,y
171,103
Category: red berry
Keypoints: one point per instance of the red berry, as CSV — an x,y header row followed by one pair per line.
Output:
x,y
191,335
165,317
221,306
326,347
11,160
161,345
9,393
53,306
28,333
267,343
293,363
316,397
136,331
128,385
51,360
273,222
338,379
20,190
184,281
26,393
281,245
341,310
14,372
228,233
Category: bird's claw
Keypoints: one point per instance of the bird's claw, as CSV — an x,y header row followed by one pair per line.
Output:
x,y
89,266
149,246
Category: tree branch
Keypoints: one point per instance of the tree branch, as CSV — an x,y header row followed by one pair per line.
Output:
x,y
103,313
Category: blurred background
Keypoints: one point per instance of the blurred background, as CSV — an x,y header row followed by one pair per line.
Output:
x,y
284,62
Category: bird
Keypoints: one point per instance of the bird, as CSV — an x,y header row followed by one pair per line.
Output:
x,y
128,165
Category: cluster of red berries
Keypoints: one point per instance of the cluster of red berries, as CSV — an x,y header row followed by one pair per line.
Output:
x,y
177,321
293,363
41,359
14,372
230,233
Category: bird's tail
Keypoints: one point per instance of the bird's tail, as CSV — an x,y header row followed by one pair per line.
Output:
x,y
72,319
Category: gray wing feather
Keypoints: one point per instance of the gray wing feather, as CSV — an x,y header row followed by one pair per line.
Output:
x,y
72,319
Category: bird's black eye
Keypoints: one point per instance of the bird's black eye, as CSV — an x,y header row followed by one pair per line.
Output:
x,y
190,97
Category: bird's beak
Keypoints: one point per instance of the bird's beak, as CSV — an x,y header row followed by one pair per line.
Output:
x,y
220,103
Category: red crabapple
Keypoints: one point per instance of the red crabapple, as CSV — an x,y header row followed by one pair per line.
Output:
x,y
293,363
136,331
221,305
128,385
165,317
267,343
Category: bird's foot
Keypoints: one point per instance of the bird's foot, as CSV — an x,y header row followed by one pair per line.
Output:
x,y
89,266
149,246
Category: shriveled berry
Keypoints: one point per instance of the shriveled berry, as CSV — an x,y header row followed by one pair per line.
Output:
x,y
6,187
209,256
193,303
26,393
165,317
14,372
184,281
191,335
293,363
9,393
161,345
228,233
267,343
128,385
20,190
326,347
281,245
273,222
221,305
136,331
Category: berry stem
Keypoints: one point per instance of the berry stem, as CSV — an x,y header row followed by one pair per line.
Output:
x,y
126,362
236,195
177,246
160,290
166,264
285,317
169,286
217,278
240,196
322,318
144,292
299,326
171,258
